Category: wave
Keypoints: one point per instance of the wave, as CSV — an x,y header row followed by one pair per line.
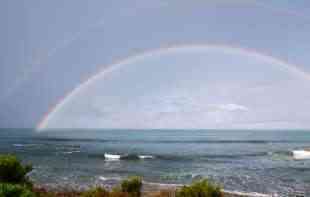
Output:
x,y
248,194
108,156
211,156
103,178
112,157
25,145
146,157
70,152
301,154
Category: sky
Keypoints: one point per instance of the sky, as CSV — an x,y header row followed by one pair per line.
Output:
x,y
48,48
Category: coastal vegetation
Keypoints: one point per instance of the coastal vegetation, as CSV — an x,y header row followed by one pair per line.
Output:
x,y
132,186
13,179
14,182
200,188
12,171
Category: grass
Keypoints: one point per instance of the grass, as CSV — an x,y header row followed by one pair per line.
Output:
x,y
15,190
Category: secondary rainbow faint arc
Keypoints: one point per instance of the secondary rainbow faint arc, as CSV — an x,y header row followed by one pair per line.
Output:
x,y
75,36
148,53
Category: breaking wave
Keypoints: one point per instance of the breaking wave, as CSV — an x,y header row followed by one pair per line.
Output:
x,y
301,154
170,157
108,156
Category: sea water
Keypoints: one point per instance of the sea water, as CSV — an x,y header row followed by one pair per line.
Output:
x,y
243,160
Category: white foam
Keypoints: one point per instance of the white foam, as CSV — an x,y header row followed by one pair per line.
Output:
x,y
163,184
238,193
301,154
247,194
102,178
111,157
70,152
25,145
146,157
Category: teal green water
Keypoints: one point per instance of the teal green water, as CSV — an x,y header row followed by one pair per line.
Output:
x,y
249,160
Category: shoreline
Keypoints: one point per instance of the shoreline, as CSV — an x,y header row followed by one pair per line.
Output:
x,y
229,193
148,189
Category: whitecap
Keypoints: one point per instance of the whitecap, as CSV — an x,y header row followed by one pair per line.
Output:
x,y
146,157
111,156
246,194
70,152
301,154
24,145
126,157
102,178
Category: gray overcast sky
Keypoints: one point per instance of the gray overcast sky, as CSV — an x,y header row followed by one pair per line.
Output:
x,y
49,47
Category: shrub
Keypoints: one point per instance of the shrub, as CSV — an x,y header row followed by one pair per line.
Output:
x,y
200,189
12,171
10,190
132,186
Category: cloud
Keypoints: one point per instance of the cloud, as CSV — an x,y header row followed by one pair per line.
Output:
x,y
231,107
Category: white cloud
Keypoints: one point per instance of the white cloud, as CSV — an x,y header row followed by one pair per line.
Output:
x,y
231,107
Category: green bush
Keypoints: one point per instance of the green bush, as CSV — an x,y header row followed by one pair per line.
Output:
x,y
10,190
132,186
200,189
12,171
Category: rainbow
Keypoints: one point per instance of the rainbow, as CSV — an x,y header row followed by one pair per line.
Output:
x,y
148,53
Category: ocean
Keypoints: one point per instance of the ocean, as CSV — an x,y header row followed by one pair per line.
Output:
x,y
242,160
